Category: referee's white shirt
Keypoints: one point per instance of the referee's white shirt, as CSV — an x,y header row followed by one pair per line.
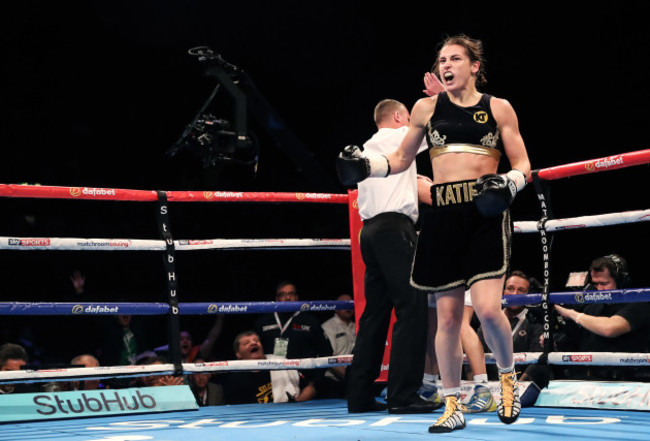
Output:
x,y
394,193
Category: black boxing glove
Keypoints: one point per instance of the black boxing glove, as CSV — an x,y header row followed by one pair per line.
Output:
x,y
352,167
496,192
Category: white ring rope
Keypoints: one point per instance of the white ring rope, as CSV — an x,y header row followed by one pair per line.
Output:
x,y
554,358
58,243
601,220
580,358
168,369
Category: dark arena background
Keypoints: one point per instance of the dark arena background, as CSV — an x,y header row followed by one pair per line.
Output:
x,y
123,94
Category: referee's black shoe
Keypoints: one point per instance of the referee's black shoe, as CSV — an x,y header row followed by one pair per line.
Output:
x,y
417,406
373,406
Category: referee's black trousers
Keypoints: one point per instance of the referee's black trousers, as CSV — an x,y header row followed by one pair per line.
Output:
x,y
387,246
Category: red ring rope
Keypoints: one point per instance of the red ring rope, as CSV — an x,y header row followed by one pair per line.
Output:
x,y
36,191
115,194
596,165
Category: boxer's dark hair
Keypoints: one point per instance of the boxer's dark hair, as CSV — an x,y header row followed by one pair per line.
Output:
x,y
474,49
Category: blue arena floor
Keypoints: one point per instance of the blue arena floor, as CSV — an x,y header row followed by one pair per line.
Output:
x,y
329,420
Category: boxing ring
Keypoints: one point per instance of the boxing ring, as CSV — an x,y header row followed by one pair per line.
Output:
x,y
328,419
318,419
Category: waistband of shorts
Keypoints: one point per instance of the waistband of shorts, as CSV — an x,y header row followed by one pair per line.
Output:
x,y
386,216
453,193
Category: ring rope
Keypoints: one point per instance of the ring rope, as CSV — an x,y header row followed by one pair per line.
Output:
x,y
581,297
520,358
555,358
40,375
37,191
606,163
614,162
97,244
601,220
135,308
580,358
81,244
116,194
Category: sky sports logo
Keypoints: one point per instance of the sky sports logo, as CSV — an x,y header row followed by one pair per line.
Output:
x,y
33,242
577,358
339,360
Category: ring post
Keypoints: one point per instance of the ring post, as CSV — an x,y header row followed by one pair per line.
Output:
x,y
173,318
546,241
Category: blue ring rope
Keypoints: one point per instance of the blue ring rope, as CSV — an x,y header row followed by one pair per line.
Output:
x,y
115,308
129,308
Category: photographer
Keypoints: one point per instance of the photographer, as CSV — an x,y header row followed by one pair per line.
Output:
x,y
615,327
527,326
525,322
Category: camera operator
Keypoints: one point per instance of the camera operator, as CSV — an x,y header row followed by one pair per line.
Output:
x,y
611,327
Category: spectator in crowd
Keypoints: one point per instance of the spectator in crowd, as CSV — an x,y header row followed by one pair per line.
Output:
x,y
156,379
341,332
294,334
123,338
86,360
71,286
206,392
607,327
279,386
527,328
190,351
78,280
12,358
